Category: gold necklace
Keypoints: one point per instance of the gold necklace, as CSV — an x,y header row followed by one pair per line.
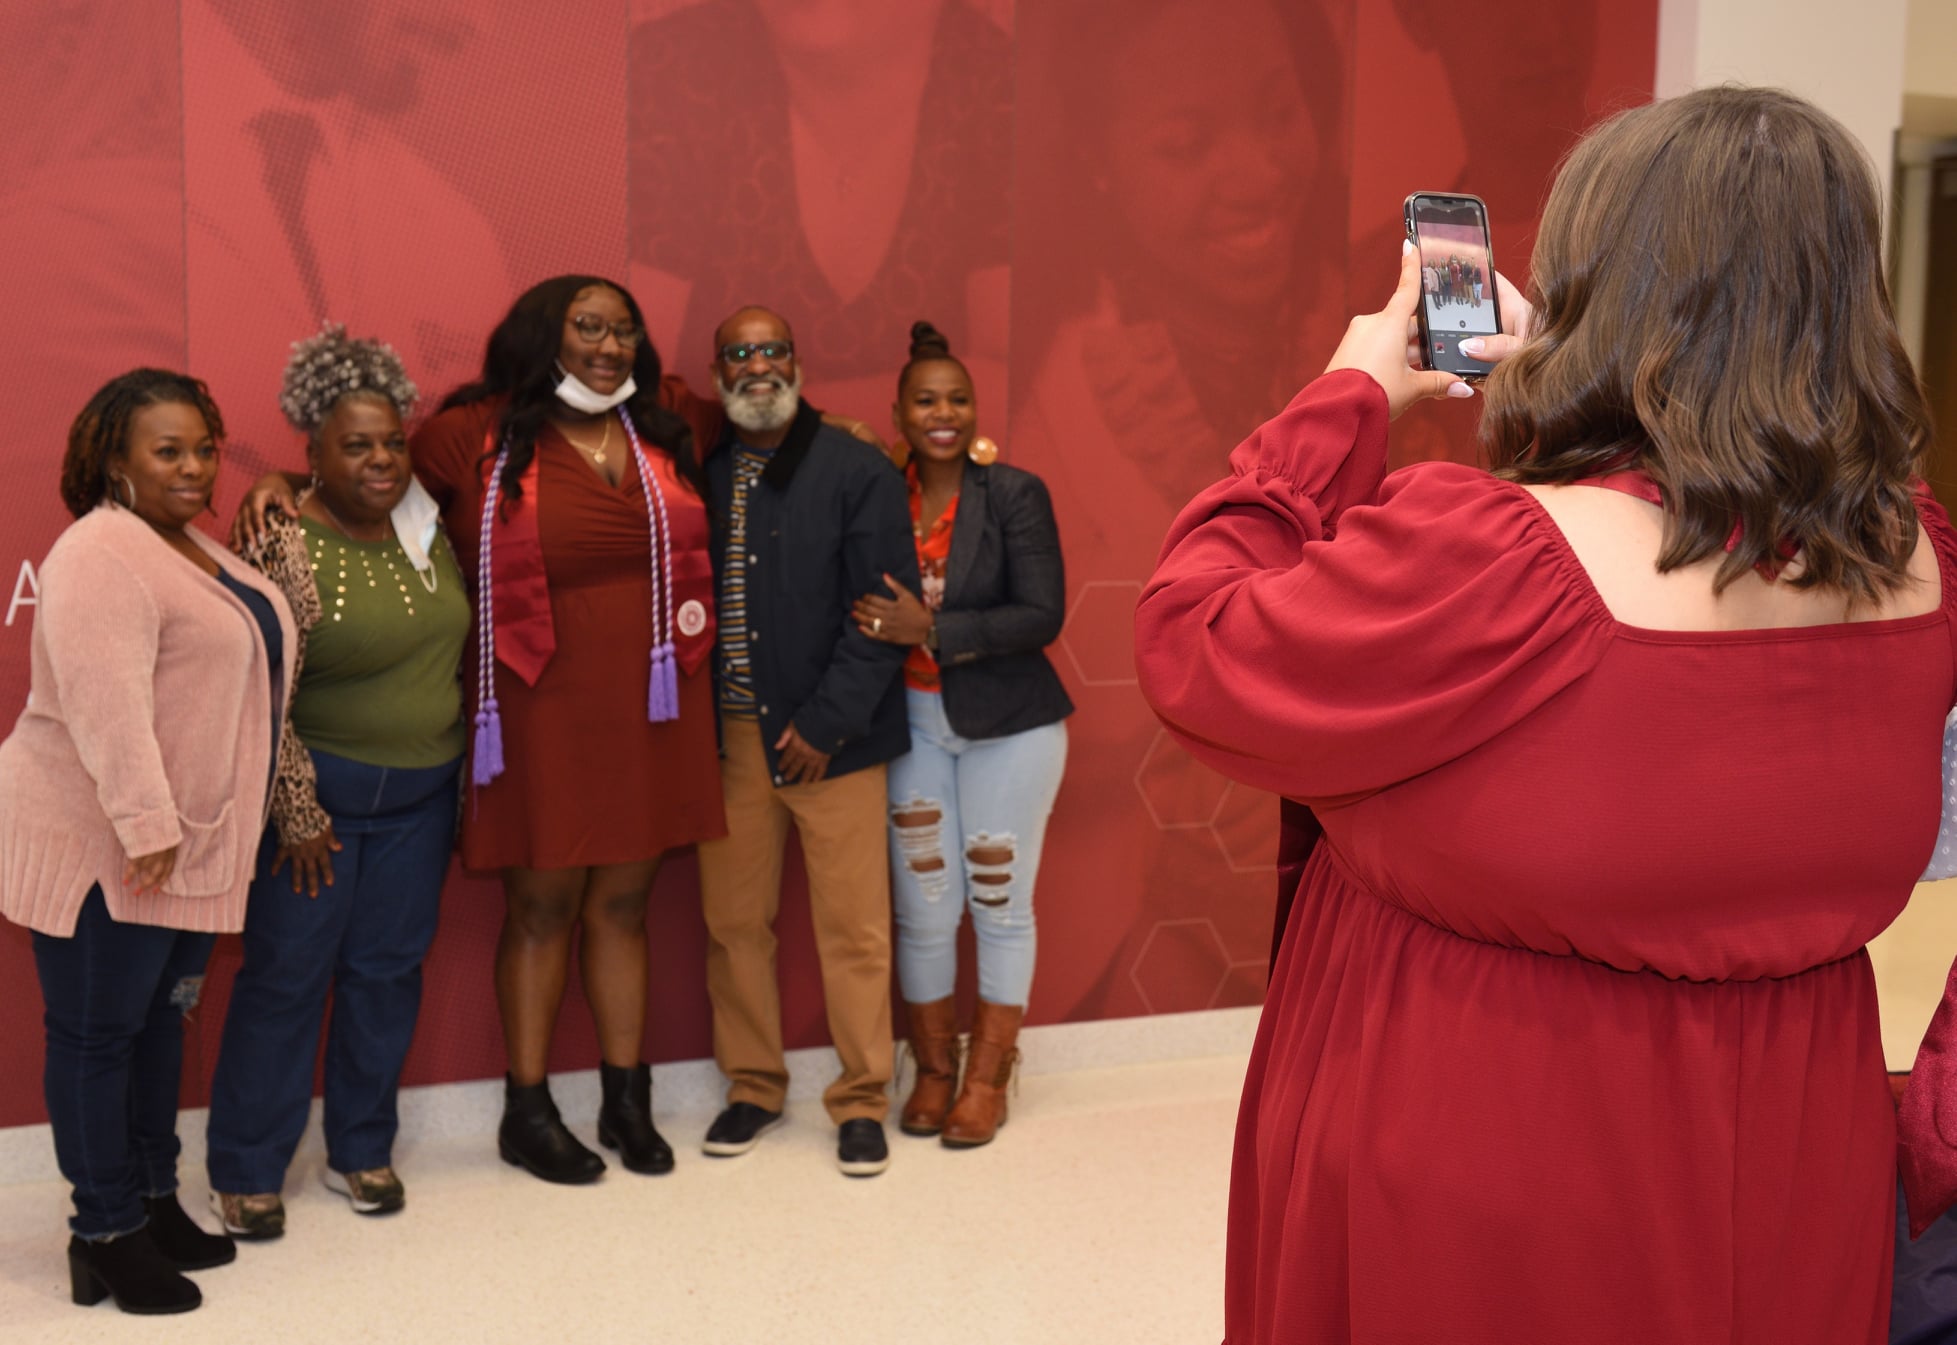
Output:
x,y
597,454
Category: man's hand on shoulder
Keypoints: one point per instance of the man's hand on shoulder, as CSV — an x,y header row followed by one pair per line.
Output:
x,y
858,429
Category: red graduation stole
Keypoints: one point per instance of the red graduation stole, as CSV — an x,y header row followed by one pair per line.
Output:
x,y
526,637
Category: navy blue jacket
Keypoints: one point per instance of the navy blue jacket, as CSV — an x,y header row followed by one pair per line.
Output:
x,y
829,518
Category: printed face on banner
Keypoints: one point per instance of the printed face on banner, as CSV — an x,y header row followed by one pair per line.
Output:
x,y
1208,150
1179,251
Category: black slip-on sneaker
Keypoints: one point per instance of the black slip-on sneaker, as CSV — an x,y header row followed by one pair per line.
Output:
x,y
860,1149
738,1128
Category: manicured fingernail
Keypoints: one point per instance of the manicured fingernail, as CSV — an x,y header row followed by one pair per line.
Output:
x,y
1460,390
1406,246
1472,346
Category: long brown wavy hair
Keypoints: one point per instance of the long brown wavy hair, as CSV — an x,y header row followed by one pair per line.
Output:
x,y
1711,309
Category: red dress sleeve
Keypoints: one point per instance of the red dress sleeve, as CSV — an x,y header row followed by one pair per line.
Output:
x,y
1312,632
448,447
706,417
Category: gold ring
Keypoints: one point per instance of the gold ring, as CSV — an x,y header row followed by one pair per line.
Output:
x,y
876,626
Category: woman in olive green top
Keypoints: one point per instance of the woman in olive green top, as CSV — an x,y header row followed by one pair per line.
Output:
x,y
364,806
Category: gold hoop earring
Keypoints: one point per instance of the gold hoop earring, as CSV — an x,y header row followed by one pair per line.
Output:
x,y
983,451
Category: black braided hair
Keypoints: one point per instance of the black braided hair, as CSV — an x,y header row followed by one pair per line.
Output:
x,y
102,429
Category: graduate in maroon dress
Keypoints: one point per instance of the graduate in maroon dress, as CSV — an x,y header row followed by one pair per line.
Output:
x,y
570,476
1622,753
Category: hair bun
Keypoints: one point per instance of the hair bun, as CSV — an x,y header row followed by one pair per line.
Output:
x,y
927,342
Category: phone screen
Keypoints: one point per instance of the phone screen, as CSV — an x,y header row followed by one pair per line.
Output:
x,y
1457,277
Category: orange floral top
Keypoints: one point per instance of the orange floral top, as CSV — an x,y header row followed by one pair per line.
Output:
x,y
933,549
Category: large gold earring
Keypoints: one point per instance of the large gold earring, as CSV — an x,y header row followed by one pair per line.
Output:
x,y
983,451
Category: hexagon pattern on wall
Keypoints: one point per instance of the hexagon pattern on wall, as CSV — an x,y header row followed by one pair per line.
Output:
x,y
1183,965
1246,827
1099,636
1179,792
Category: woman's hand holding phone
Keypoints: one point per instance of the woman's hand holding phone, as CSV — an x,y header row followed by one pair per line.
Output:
x,y
1376,344
1386,344
1516,316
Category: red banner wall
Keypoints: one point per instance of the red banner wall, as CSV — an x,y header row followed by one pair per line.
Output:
x,y
1142,222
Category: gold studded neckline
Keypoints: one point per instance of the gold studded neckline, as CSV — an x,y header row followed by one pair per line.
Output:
x,y
338,567
317,532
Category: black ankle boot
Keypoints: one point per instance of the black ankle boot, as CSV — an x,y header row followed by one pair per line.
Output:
x,y
182,1242
133,1271
533,1137
625,1120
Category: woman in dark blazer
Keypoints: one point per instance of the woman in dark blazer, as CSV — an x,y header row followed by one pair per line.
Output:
x,y
969,804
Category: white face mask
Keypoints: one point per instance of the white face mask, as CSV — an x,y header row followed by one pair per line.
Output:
x,y
574,394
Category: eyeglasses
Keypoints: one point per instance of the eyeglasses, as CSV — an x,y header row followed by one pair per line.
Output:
x,y
591,330
774,352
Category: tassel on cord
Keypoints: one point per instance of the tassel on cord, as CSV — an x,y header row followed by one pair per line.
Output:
x,y
663,692
487,758
488,762
663,687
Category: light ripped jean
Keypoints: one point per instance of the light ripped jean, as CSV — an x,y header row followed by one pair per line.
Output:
x,y
992,798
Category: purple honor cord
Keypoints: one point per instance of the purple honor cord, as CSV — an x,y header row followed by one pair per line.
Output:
x,y
487,759
662,691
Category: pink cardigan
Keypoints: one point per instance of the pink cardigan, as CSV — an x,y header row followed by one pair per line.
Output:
x,y
148,724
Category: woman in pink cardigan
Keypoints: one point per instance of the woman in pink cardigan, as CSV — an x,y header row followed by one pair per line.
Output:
x,y
132,794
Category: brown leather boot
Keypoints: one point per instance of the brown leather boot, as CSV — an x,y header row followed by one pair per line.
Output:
x,y
981,1106
934,1046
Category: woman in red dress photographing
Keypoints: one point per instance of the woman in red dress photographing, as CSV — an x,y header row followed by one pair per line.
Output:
x,y
1622,751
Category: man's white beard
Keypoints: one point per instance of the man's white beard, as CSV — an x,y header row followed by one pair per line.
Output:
x,y
761,415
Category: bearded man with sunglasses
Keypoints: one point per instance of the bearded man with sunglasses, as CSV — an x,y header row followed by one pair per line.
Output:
x,y
811,713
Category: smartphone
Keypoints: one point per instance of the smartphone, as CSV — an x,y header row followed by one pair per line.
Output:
x,y
1457,278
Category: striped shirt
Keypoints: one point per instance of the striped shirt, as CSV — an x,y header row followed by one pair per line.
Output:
x,y
736,666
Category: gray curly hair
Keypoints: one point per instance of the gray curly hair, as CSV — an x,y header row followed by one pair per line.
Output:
x,y
327,367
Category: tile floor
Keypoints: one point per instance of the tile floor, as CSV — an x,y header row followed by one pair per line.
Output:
x,y
1097,1216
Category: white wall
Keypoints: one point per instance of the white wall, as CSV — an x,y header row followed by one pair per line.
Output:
x,y
1930,65
1847,58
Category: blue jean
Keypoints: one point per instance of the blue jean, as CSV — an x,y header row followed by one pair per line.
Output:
x,y
115,997
995,795
363,939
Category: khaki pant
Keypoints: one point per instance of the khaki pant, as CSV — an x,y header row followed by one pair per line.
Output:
x,y
847,854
